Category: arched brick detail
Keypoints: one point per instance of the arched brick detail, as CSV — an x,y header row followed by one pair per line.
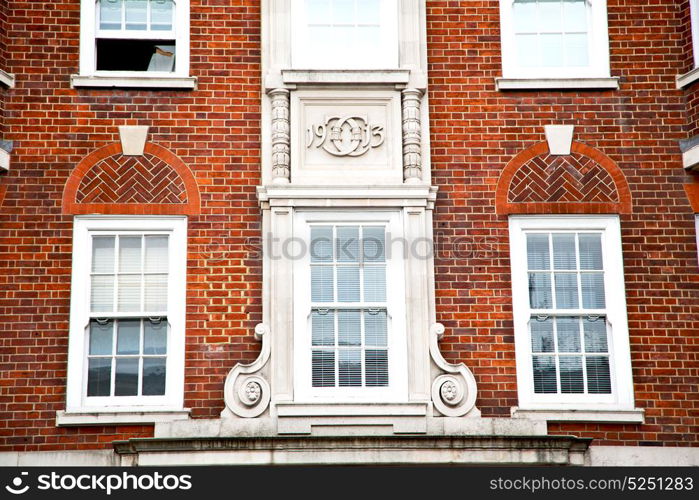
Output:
x,y
585,182
107,182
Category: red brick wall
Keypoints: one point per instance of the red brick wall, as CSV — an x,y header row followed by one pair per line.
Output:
x,y
475,132
214,130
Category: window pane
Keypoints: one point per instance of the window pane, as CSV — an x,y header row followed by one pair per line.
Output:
x,y
540,291
129,294
538,252
343,11
136,14
110,14
368,11
550,16
322,284
155,337
161,15
156,292
524,15
595,335
348,244
322,328
566,291
551,50
528,50
571,374
318,11
350,368
568,334
130,254
598,377
544,369
564,251
576,48
349,326
542,335
574,16
593,290
375,328
323,369
103,254
373,244
129,336
156,254
126,379
102,293
101,338
375,284
153,376
376,368
99,376
348,283
321,243
590,251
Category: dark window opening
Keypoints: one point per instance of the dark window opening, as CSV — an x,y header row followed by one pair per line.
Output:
x,y
135,55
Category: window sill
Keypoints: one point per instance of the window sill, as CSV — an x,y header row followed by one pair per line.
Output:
x,y
7,79
125,417
136,81
556,83
688,78
370,76
635,416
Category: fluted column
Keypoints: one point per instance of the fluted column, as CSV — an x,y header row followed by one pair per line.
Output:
x,y
281,141
412,148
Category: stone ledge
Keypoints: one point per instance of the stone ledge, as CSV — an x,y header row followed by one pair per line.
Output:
x,y
72,419
687,79
7,79
556,83
140,81
423,450
375,76
635,416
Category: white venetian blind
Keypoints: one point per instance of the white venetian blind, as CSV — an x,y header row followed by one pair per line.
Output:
x,y
349,317
129,274
568,327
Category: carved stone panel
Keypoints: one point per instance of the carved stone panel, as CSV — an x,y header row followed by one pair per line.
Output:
x,y
346,137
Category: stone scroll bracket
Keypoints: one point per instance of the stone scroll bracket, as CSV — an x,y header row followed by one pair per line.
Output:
x,y
412,140
453,392
247,393
281,138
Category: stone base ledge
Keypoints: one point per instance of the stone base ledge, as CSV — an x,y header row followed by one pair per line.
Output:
x,y
635,416
68,419
347,450
557,83
378,425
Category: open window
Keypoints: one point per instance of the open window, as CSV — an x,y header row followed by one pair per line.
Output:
x,y
135,38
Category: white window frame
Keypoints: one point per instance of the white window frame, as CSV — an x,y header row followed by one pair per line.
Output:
x,y
83,229
302,51
88,51
397,389
598,38
621,397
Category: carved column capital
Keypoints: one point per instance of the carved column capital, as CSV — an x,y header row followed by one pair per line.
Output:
x,y
281,139
412,140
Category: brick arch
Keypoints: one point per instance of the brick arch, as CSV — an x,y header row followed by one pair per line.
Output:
x,y
155,183
585,182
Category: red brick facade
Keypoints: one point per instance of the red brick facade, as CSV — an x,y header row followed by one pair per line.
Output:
x,y
208,140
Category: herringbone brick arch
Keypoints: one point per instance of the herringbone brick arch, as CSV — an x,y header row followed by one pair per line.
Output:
x,y
585,181
108,182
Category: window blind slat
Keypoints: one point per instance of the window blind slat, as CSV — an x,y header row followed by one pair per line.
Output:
x,y
349,324
350,368
156,292
101,294
156,260
103,254
571,374
130,254
129,293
